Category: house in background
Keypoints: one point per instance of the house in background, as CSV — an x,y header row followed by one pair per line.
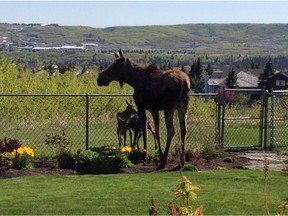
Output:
x,y
246,79
277,81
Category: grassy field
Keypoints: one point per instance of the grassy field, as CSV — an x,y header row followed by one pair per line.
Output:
x,y
233,192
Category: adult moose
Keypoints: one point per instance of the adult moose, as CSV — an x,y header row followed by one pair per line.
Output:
x,y
154,90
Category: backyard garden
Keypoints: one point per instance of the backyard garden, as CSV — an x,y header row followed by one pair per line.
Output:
x,y
48,166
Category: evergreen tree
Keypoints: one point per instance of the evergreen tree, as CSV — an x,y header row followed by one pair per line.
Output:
x,y
200,74
209,69
197,76
268,71
231,80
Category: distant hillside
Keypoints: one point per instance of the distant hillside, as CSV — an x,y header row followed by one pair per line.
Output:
x,y
251,39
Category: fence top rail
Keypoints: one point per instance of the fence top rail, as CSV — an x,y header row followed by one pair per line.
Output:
x,y
244,90
54,95
203,94
75,95
280,91
36,94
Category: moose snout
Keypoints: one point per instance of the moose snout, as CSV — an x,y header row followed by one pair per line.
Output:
x,y
102,82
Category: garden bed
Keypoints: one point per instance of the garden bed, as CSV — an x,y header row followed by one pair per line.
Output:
x,y
228,160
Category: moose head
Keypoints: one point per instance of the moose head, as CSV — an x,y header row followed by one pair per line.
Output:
x,y
115,72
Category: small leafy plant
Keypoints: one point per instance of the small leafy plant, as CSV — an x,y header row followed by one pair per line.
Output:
x,y
58,142
23,157
137,156
185,191
13,155
190,167
6,159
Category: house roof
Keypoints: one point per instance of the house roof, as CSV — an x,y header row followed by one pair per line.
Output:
x,y
216,82
247,79
278,73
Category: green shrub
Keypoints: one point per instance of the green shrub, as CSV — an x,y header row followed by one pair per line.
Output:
x,y
121,161
190,167
108,159
105,151
84,157
100,165
211,151
136,156
58,142
6,159
65,159
23,158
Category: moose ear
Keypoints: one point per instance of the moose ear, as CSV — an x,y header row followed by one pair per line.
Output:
x,y
121,53
116,55
121,84
129,102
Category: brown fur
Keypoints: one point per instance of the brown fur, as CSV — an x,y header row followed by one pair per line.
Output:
x,y
123,125
154,90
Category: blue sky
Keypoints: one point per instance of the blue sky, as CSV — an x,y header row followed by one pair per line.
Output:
x,y
138,13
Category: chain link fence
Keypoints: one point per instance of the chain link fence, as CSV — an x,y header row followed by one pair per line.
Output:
x,y
279,119
89,120
242,118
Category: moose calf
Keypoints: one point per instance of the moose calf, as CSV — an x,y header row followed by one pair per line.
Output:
x,y
129,120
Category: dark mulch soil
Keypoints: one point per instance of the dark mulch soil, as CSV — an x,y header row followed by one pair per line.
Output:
x,y
201,164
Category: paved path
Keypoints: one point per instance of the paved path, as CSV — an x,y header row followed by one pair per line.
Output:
x,y
275,161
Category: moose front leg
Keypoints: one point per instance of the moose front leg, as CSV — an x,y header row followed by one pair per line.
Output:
x,y
143,123
156,120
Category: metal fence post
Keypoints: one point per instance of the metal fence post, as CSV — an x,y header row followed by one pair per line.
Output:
x,y
265,116
272,120
219,124
220,117
87,121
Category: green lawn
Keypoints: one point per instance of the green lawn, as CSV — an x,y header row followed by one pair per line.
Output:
x,y
222,192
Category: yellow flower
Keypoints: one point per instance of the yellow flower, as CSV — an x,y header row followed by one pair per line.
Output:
x,y
127,149
22,150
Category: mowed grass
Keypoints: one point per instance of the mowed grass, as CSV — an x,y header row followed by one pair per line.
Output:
x,y
223,192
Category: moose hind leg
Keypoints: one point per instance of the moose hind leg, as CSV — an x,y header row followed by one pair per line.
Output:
x,y
169,114
119,137
182,115
156,134
142,121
